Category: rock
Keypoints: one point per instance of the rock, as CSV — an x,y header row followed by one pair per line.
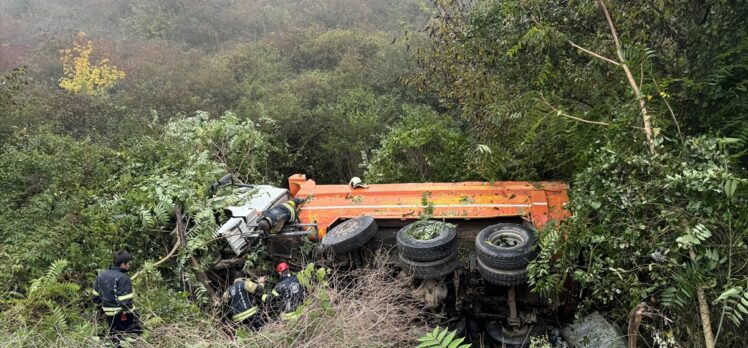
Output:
x,y
593,331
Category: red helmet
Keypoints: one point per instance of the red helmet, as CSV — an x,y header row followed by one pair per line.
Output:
x,y
281,267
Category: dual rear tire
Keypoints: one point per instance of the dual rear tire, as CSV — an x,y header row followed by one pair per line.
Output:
x,y
427,258
504,251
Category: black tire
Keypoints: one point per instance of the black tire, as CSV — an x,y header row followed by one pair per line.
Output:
x,y
459,327
502,339
506,246
437,248
502,277
350,234
430,269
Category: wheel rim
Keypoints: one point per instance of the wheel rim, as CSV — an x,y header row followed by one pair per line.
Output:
x,y
507,239
413,227
345,228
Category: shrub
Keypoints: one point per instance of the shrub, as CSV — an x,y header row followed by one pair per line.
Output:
x,y
425,146
653,229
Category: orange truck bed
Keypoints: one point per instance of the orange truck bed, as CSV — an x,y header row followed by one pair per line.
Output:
x,y
536,202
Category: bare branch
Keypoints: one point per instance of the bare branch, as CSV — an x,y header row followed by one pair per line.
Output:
x,y
706,321
593,53
635,320
680,135
561,113
612,27
637,90
167,257
156,230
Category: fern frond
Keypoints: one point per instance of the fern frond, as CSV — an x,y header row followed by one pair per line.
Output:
x,y
441,338
735,302
146,218
60,288
59,316
53,273
678,296
201,294
161,212
694,236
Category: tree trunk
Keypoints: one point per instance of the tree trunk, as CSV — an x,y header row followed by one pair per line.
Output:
x,y
646,119
635,319
706,321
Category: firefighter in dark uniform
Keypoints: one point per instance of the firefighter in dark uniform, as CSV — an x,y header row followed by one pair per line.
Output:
x,y
289,292
113,290
241,297
276,217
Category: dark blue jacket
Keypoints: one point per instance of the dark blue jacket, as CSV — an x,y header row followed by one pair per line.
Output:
x,y
241,297
291,293
113,289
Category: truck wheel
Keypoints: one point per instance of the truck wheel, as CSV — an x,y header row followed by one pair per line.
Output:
x,y
430,269
502,277
506,339
437,248
506,246
350,234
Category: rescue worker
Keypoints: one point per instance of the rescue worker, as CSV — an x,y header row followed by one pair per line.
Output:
x,y
289,292
113,290
274,218
241,297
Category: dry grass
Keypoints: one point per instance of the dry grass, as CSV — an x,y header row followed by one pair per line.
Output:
x,y
371,309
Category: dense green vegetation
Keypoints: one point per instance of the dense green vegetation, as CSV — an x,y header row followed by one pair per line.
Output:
x,y
658,195
259,89
483,90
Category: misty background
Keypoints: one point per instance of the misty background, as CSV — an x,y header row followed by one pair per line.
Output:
x,y
302,70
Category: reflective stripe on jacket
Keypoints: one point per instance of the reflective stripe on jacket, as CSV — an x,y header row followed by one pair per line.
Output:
x,y
113,289
241,298
244,315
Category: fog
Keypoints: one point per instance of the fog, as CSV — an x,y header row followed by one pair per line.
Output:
x,y
31,28
112,70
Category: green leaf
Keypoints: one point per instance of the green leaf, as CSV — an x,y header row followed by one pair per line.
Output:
x,y
730,186
429,343
449,337
742,308
456,343
441,336
729,293
727,141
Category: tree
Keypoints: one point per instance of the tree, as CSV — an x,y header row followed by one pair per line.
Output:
x,y
521,68
423,146
655,188
81,75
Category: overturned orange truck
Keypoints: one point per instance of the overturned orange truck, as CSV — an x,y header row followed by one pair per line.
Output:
x,y
534,202
467,244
